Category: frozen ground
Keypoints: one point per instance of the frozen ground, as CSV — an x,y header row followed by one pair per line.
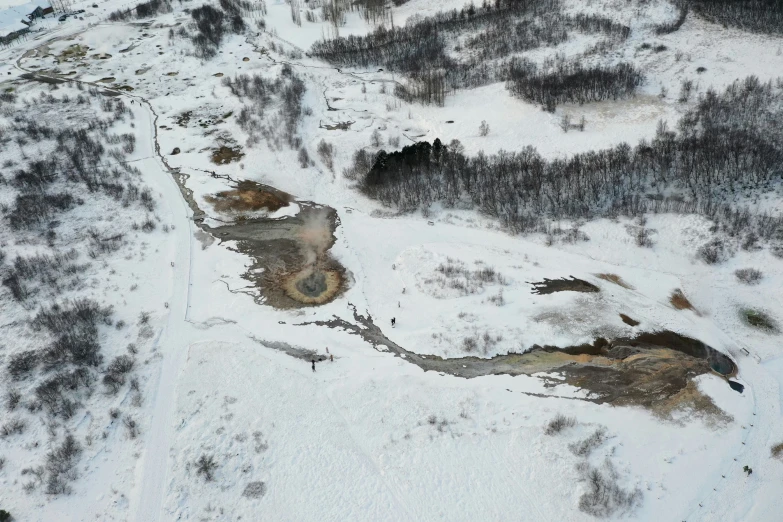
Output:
x,y
370,436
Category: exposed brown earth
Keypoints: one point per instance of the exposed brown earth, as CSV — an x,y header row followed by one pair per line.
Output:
x,y
627,320
249,197
614,278
679,301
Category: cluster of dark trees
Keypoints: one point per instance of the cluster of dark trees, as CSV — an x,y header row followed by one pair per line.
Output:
x,y
212,24
509,35
421,50
285,93
728,143
571,82
142,10
760,16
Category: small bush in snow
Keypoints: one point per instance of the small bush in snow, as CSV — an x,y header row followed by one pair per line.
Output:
x,y
132,426
604,496
559,423
206,466
61,466
13,427
713,252
484,128
326,153
254,490
22,364
304,158
749,276
12,399
643,238
583,448
5,516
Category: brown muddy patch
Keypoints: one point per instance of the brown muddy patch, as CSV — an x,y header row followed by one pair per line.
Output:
x,y
72,52
550,286
679,301
627,320
225,155
249,197
616,279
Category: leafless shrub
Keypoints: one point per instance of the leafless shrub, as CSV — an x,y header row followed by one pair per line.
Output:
x,y
22,364
469,344
748,276
61,466
131,426
686,88
12,399
326,153
604,496
497,299
643,238
559,423
206,466
254,490
304,158
12,427
713,252
584,447
777,450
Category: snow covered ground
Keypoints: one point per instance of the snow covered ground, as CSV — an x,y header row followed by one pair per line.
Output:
x,y
370,436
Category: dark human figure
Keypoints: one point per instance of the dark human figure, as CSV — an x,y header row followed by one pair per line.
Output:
x,y
394,321
331,357
313,361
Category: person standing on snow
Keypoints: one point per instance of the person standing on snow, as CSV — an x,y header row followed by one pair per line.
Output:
x,y
394,321
313,361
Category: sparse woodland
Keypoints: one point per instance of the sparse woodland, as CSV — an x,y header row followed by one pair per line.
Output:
x,y
424,52
57,364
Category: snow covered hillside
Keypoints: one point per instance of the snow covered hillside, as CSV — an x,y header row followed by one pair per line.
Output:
x,y
409,260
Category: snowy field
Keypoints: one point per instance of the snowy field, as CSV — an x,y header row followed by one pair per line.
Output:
x,y
221,416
